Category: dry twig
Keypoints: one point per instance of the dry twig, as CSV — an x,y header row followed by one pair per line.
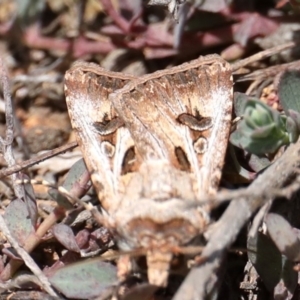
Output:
x,y
27,259
261,55
6,148
231,222
30,162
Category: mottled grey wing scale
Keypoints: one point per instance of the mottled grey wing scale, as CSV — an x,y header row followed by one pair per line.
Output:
x,y
182,115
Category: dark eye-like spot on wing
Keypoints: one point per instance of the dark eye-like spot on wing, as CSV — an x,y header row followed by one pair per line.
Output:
x,y
200,145
195,123
128,161
215,180
107,127
108,148
182,159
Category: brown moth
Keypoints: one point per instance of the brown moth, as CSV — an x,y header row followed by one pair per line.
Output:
x,y
153,145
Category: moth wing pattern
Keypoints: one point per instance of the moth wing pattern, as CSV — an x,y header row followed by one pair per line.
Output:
x,y
182,115
87,87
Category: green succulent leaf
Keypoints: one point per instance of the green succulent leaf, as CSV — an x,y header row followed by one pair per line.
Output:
x,y
291,127
295,116
239,102
84,280
29,11
275,270
262,130
266,259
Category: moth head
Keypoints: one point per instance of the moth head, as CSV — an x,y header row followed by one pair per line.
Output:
x,y
163,224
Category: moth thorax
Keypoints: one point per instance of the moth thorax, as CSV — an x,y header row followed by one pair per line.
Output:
x,y
159,262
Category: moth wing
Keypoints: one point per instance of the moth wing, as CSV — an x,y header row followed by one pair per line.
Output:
x,y
104,141
182,115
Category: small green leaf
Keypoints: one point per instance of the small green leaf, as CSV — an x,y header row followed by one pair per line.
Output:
x,y
292,129
29,11
30,199
285,288
295,116
275,270
283,236
262,129
65,236
263,132
239,102
266,259
289,90
18,221
74,174
258,163
84,280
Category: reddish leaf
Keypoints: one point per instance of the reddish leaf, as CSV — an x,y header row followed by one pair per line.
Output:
x,y
253,25
65,236
30,200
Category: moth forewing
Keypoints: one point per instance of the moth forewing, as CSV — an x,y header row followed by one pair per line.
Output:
x,y
183,115
99,131
211,99
179,120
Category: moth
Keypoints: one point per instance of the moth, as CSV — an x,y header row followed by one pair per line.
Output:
x,y
153,145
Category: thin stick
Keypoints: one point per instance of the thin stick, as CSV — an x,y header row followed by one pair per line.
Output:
x,y
6,144
35,160
234,218
27,259
9,116
261,55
